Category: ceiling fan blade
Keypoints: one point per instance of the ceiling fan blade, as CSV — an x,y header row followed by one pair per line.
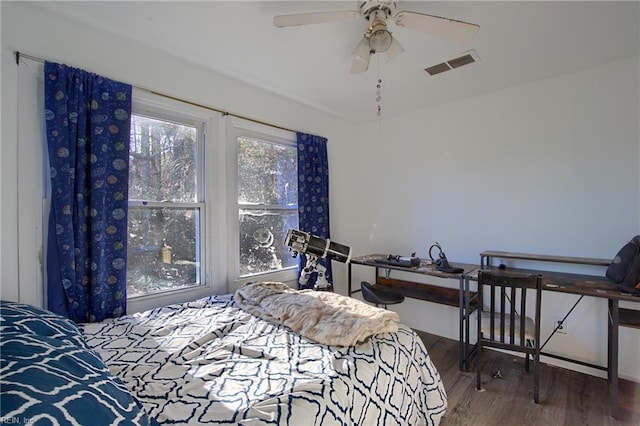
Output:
x,y
442,27
314,18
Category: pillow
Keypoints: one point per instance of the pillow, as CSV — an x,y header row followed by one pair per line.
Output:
x,y
47,371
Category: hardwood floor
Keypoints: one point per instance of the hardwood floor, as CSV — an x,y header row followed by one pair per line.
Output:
x,y
566,397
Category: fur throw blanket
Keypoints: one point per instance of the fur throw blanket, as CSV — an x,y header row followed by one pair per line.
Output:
x,y
325,317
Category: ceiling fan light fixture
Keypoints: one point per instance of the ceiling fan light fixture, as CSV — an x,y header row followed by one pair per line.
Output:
x,y
362,50
394,50
380,38
359,65
361,56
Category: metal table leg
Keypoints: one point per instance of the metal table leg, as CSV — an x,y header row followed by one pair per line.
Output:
x,y
612,355
465,316
467,308
462,349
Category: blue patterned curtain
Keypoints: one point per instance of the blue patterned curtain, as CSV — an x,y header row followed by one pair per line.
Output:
x,y
313,194
88,118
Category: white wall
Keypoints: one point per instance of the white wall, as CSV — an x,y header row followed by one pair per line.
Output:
x,y
550,167
32,31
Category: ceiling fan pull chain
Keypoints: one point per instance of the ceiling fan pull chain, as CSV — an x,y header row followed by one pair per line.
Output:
x,y
379,91
379,97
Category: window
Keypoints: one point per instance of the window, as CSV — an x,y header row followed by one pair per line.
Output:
x,y
166,202
267,191
204,215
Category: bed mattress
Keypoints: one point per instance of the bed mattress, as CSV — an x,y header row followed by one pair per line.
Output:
x,y
209,362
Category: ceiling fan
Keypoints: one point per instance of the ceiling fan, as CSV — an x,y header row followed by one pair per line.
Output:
x,y
377,38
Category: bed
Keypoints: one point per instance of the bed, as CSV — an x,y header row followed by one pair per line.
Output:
x,y
212,362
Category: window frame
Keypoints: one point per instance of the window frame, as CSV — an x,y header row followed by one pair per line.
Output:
x,y
209,170
236,128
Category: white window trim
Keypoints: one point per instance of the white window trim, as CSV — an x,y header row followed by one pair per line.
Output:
x,y
237,127
32,206
212,175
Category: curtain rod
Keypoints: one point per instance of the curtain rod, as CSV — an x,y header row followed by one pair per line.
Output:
x,y
223,112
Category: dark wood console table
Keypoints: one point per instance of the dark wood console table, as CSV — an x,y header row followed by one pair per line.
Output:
x,y
422,291
582,285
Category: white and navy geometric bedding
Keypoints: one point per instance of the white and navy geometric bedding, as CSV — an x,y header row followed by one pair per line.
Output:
x,y
49,376
208,362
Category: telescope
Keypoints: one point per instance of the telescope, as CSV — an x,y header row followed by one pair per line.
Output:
x,y
315,248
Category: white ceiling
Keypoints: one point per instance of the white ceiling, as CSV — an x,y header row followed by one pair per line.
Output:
x,y
518,42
